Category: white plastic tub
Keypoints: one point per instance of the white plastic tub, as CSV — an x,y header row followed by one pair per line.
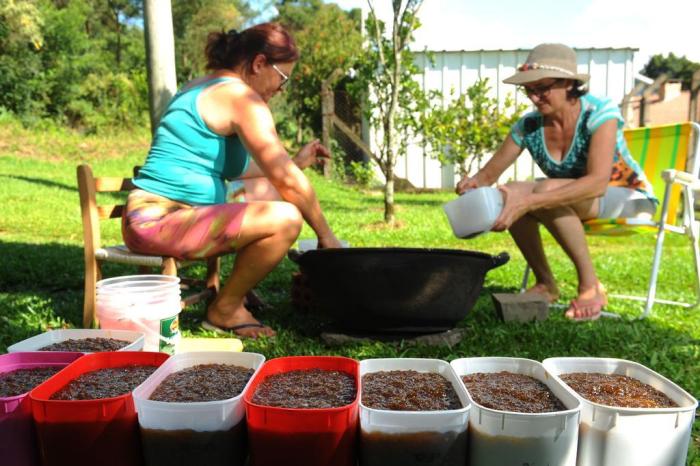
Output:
x,y
510,438
135,339
630,436
474,212
207,432
409,438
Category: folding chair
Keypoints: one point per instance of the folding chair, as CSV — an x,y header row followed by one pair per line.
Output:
x,y
664,153
96,253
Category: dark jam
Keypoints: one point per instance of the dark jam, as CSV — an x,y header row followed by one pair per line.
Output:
x,y
616,390
104,383
413,449
306,389
188,447
204,382
507,391
408,391
23,380
87,345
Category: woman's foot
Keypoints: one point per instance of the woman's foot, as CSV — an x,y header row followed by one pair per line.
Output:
x,y
549,292
240,321
588,305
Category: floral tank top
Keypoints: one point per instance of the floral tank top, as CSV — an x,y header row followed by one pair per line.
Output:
x,y
528,133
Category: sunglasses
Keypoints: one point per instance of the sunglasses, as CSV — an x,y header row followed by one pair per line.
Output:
x,y
284,77
539,91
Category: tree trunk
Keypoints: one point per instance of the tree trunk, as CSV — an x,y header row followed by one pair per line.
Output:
x,y
389,216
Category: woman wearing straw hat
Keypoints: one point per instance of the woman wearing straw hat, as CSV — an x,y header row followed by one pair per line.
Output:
x,y
576,140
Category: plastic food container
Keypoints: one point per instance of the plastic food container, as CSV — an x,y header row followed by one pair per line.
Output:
x,y
135,339
89,432
506,437
18,445
303,437
409,438
210,432
474,212
630,436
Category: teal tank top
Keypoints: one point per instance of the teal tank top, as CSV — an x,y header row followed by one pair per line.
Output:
x,y
187,161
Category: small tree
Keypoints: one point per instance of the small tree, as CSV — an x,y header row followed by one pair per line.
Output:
x,y
675,67
469,127
386,82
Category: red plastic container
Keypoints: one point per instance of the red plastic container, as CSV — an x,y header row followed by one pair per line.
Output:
x,y
17,437
89,432
303,437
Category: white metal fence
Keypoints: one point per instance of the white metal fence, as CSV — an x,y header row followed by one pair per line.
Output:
x,y
611,71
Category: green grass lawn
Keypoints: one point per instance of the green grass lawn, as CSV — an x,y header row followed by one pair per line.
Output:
x,y
41,270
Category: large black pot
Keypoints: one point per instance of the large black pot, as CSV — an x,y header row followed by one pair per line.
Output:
x,y
396,290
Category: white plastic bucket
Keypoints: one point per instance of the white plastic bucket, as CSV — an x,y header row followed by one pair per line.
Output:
x,y
613,436
474,212
144,303
506,437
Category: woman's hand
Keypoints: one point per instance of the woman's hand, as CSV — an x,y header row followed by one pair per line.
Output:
x,y
467,183
313,152
514,207
328,242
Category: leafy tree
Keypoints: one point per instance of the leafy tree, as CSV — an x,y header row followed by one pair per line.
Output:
x,y
386,79
329,39
469,127
675,67
193,20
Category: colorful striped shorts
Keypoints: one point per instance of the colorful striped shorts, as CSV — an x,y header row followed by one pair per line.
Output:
x,y
156,225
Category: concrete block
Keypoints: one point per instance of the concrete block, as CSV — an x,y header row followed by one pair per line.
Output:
x,y
520,307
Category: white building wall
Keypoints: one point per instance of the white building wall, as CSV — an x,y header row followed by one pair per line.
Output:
x,y
611,73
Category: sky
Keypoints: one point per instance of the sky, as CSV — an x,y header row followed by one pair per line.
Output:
x,y
651,26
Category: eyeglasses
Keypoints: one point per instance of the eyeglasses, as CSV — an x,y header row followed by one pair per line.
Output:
x,y
540,91
284,77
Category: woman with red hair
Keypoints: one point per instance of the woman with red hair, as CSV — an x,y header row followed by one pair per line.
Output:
x,y
219,128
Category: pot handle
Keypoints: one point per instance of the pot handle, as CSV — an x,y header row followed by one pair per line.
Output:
x,y
499,260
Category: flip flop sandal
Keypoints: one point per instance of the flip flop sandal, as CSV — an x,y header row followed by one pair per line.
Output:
x,y
577,305
228,330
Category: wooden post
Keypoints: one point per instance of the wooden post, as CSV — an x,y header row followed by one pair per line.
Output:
x,y
327,112
160,56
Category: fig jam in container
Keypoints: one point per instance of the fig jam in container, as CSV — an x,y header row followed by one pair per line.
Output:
x,y
315,434
629,436
412,412
185,419
89,432
520,413
19,374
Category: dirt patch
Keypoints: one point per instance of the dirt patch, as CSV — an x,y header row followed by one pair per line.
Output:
x,y
383,226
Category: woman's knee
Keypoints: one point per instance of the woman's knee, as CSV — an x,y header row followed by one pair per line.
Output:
x,y
289,218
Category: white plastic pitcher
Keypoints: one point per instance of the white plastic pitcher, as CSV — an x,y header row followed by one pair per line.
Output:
x,y
144,303
474,212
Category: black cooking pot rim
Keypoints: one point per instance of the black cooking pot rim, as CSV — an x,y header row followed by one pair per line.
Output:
x,y
394,250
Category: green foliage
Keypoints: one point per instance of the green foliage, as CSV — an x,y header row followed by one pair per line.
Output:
x,y
192,23
675,67
469,127
385,80
362,173
329,39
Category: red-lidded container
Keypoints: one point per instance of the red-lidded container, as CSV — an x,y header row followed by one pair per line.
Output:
x,y
89,432
303,437
17,437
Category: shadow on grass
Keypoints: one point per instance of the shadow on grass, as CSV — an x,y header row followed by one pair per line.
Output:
x,y
43,182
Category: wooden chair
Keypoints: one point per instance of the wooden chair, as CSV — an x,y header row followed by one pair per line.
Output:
x,y
96,253
670,158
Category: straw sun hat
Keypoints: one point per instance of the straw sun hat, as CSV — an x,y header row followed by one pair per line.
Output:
x,y
548,61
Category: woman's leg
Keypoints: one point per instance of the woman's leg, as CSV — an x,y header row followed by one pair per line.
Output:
x,y
564,223
526,234
267,231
